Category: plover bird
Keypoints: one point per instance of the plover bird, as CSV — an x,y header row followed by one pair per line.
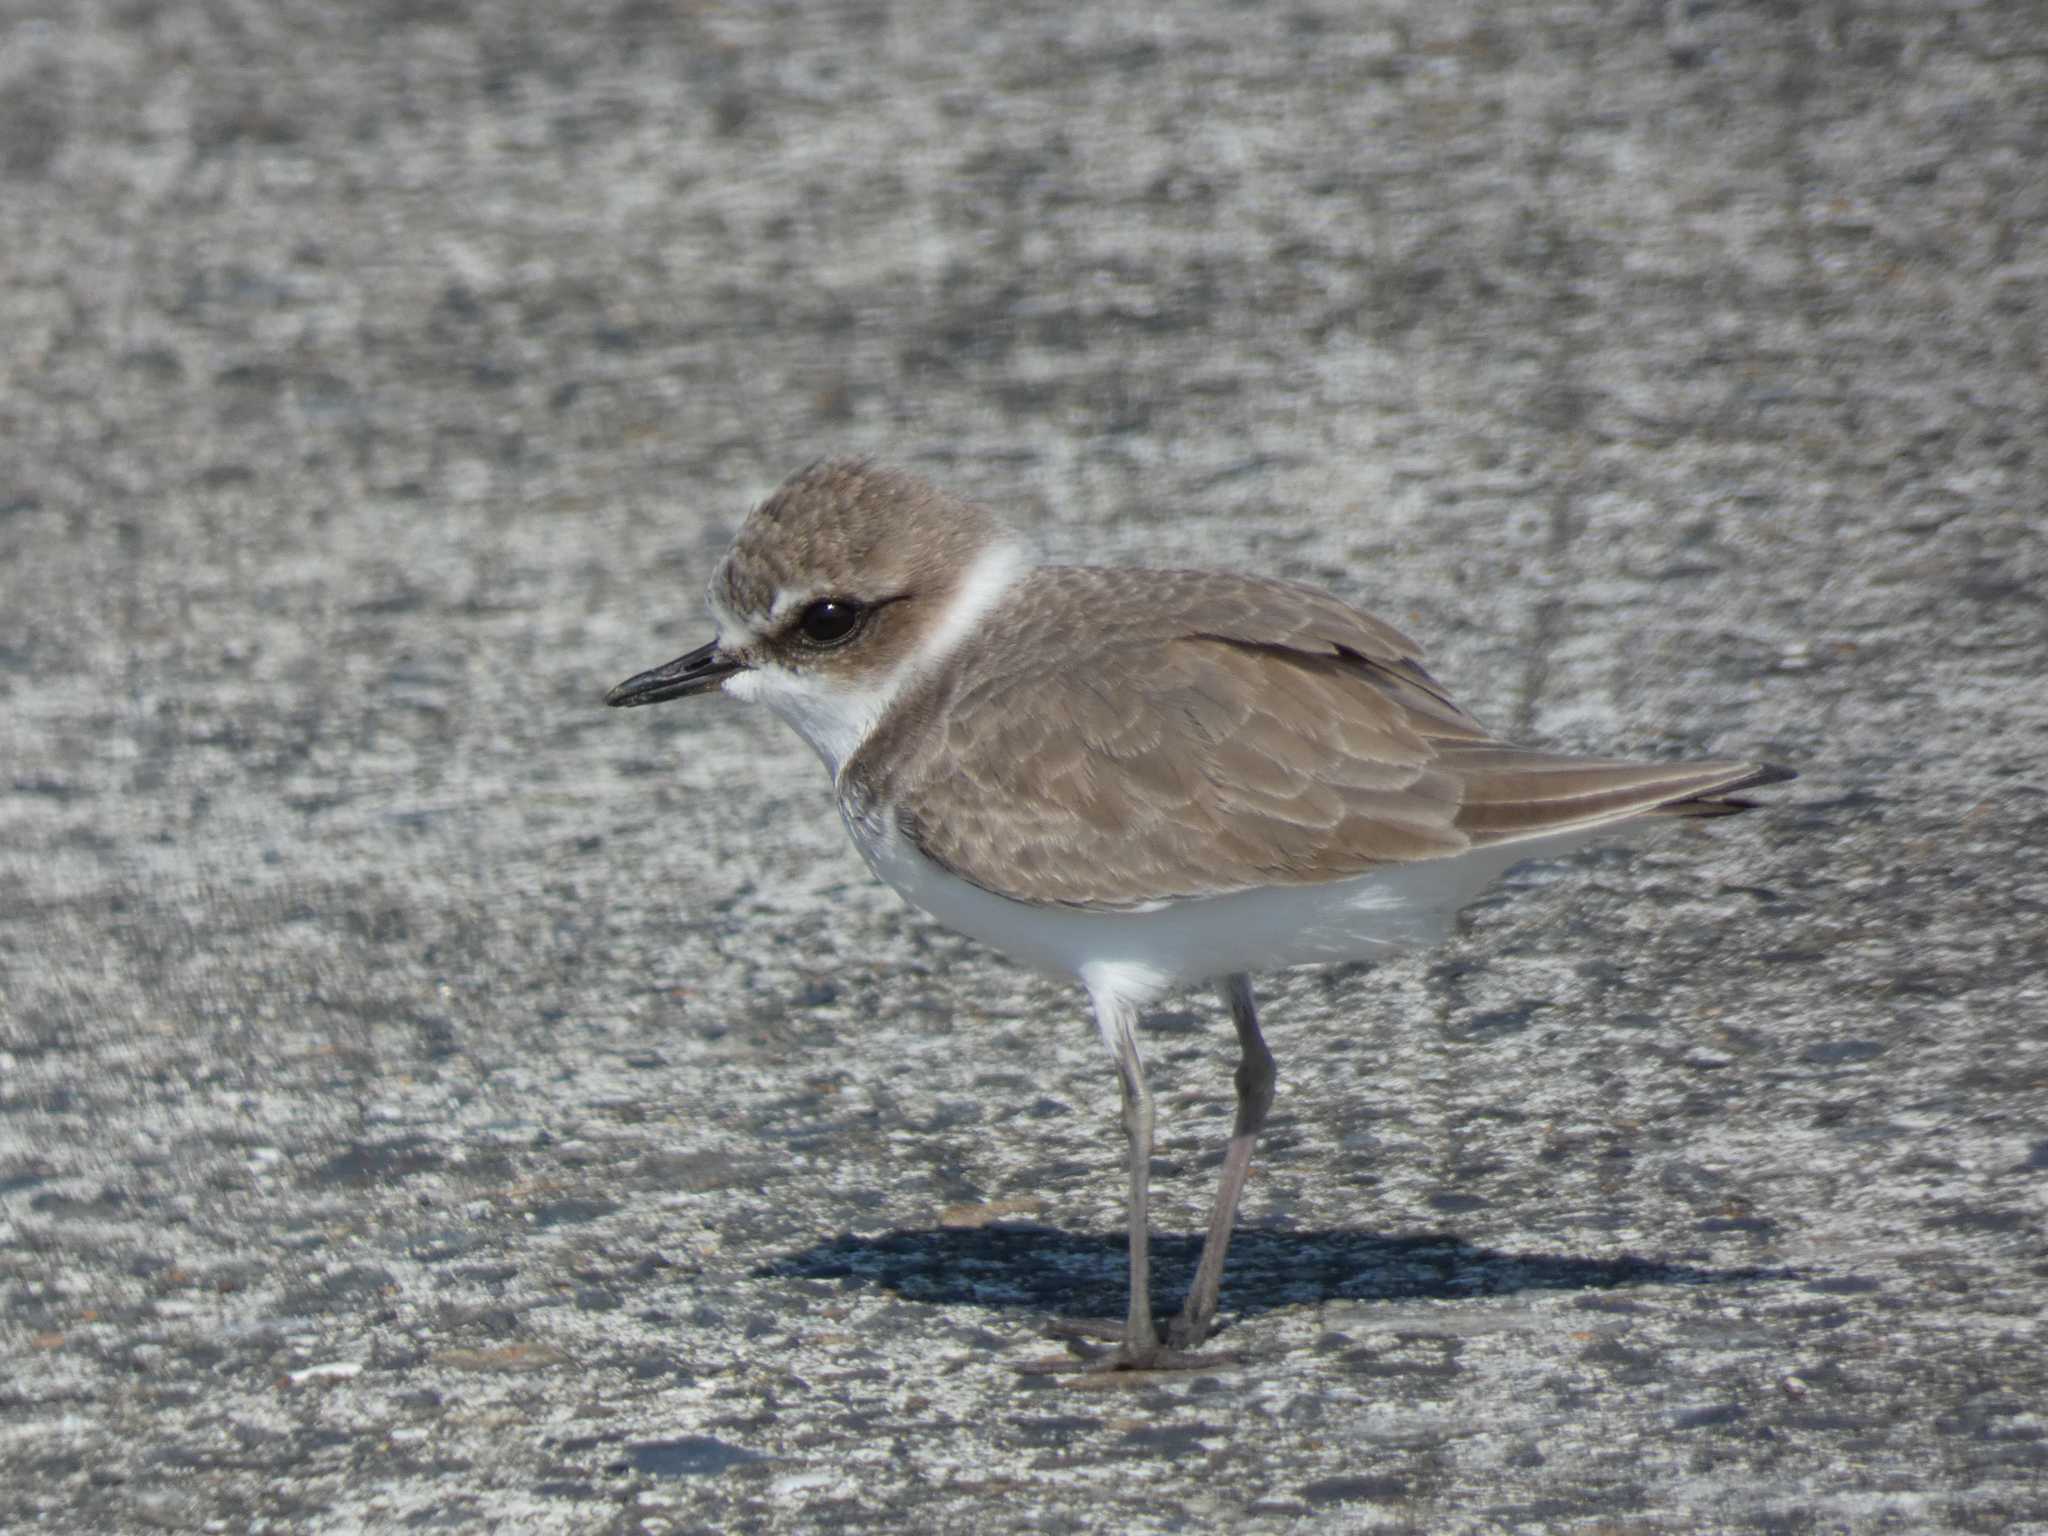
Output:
x,y
1139,778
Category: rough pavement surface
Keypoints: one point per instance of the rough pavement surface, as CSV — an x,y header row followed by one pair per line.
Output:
x,y
430,1100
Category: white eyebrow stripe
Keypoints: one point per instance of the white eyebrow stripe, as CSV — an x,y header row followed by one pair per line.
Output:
x,y
835,717
734,632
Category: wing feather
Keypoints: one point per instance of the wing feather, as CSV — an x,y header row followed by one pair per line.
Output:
x,y
1225,734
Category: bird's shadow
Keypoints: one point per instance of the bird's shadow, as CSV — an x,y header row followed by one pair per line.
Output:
x,y
1060,1274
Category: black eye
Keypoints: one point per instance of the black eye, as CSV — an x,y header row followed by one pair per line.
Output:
x,y
829,621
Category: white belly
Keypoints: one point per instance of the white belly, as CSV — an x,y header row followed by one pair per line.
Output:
x,y
1360,918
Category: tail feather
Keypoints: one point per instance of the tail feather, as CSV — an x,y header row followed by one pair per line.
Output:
x,y
1511,794
1721,801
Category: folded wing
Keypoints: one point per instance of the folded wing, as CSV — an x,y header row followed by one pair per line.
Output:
x,y
1225,734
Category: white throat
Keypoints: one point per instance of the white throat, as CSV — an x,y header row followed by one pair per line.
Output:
x,y
836,716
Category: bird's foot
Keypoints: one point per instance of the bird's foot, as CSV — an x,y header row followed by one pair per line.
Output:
x,y
1108,1357
1087,1330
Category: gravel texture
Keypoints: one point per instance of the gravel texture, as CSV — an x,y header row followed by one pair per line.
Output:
x,y
429,1100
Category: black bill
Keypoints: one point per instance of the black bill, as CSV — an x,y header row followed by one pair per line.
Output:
x,y
699,672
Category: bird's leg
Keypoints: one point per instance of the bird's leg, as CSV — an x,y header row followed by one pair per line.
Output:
x,y
1119,1021
1140,1348
1255,1077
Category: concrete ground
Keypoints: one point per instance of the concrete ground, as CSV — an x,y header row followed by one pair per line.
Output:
x,y
429,1100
